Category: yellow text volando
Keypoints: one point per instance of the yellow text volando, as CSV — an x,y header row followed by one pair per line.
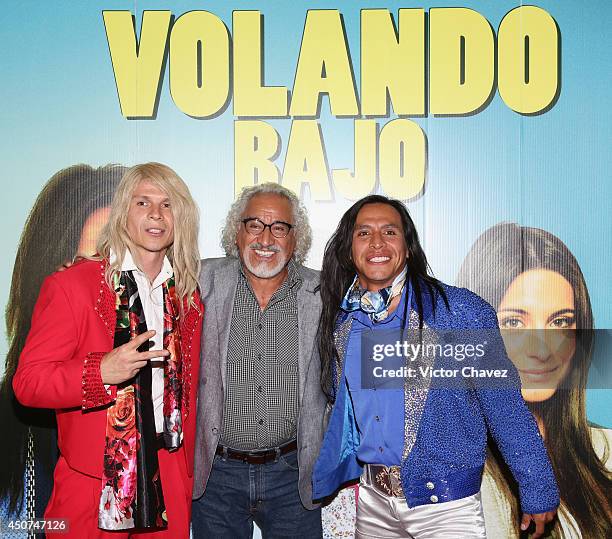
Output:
x,y
465,63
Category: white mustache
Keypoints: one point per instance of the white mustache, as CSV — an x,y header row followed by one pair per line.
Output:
x,y
261,247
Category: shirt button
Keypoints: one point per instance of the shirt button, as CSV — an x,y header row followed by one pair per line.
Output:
x,y
381,449
259,326
429,485
377,418
260,389
258,356
261,421
434,499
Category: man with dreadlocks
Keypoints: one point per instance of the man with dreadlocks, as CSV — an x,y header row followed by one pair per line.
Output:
x,y
418,446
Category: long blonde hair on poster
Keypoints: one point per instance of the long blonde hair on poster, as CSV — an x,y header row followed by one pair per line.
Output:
x,y
183,253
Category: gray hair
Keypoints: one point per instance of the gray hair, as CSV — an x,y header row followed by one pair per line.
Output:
x,y
302,230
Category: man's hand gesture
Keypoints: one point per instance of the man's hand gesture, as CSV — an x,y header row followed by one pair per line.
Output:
x,y
124,362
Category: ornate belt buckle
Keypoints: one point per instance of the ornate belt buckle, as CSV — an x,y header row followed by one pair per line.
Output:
x,y
389,481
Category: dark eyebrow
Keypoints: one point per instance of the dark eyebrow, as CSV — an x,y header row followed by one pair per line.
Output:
x,y
389,225
550,317
562,311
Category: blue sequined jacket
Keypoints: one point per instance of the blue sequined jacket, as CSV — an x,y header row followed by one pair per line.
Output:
x,y
445,425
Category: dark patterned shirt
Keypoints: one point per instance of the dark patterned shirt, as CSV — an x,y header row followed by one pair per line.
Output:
x,y
261,398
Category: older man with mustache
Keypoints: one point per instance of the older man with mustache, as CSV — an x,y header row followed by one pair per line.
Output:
x,y
260,402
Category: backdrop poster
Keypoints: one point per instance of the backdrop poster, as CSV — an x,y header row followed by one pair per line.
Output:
x,y
473,113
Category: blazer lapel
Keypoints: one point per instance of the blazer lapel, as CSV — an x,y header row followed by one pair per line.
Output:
x,y
225,280
106,304
193,316
416,390
308,320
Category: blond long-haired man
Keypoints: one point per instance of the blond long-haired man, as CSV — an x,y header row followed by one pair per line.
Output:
x,y
111,349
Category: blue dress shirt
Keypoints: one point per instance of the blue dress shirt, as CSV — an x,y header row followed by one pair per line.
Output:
x,y
379,411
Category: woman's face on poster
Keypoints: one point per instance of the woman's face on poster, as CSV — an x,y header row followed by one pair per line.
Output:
x,y
91,230
542,302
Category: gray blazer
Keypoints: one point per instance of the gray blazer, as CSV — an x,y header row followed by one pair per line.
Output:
x,y
218,280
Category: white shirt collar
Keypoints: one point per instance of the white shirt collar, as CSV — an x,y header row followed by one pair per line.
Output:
x,y
129,265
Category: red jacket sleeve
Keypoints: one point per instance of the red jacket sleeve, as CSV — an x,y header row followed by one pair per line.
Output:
x,y
50,373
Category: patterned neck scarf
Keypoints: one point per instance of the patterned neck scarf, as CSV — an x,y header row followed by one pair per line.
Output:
x,y
131,487
374,304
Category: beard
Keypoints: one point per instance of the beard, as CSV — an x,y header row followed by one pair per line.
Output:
x,y
264,269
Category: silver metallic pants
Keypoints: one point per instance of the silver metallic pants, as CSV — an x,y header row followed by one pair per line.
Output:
x,y
382,516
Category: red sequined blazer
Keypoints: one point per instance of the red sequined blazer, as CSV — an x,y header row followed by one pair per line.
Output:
x,y
73,326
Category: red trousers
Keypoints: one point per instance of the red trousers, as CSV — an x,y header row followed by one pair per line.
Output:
x,y
76,498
